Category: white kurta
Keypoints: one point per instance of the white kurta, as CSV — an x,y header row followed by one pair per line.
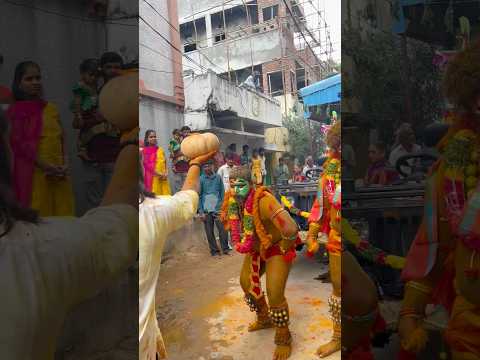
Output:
x,y
158,218
47,269
400,151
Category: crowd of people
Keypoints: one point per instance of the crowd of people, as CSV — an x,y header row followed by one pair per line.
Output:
x,y
380,171
156,165
42,168
215,179
382,168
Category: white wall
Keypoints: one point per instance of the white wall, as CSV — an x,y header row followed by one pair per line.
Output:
x,y
123,39
159,58
247,104
201,7
254,49
163,118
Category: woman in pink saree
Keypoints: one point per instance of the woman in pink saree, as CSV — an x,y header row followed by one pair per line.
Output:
x,y
155,166
40,166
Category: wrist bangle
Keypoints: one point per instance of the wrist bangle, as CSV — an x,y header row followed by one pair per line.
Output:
x,y
195,164
278,211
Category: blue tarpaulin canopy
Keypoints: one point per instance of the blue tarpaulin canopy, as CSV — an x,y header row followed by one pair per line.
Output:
x,y
326,91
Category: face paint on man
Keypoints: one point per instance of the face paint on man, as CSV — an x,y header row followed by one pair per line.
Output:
x,y
241,188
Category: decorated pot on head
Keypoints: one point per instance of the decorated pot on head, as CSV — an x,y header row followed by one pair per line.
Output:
x,y
199,144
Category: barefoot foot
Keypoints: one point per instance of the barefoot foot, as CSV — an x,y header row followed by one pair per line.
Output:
x,y
329,348
282,352
260,325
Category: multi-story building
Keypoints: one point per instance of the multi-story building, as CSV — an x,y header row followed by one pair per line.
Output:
x,y
235,38
226,41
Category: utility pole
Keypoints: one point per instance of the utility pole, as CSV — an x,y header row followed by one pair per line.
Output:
x,y
226,41
406,79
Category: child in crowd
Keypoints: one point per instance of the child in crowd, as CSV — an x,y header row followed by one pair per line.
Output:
x,y
185,131
85,103
174,147
179,161
174,143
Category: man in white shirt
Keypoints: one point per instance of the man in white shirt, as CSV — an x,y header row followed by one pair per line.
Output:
x,y
252,81
48,266
309,165
224,171
406,146
159,217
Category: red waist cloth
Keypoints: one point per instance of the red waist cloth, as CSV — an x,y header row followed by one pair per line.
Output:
x,y
289,255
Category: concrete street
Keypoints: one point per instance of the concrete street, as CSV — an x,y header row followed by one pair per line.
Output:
x,y
202,314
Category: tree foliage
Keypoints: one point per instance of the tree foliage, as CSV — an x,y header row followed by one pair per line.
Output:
x,y
379,81
301,133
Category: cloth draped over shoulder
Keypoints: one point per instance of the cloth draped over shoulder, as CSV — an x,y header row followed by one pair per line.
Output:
x,y
26,121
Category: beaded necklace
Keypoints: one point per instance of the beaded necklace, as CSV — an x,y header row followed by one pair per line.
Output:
x,y
242,231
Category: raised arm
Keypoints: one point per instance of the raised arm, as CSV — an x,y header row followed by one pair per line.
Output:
x,y
123,188
193,174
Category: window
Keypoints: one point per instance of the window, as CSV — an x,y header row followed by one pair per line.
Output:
x,y
270,12
193,35
218,27
219,37
253,12
300,75
275,83
190,47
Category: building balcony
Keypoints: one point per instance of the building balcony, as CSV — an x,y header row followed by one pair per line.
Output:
x,y
235,50
213,103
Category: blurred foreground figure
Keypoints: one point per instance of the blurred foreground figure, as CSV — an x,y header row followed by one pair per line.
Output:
x,y
443,264
50,265
358,308
326,218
